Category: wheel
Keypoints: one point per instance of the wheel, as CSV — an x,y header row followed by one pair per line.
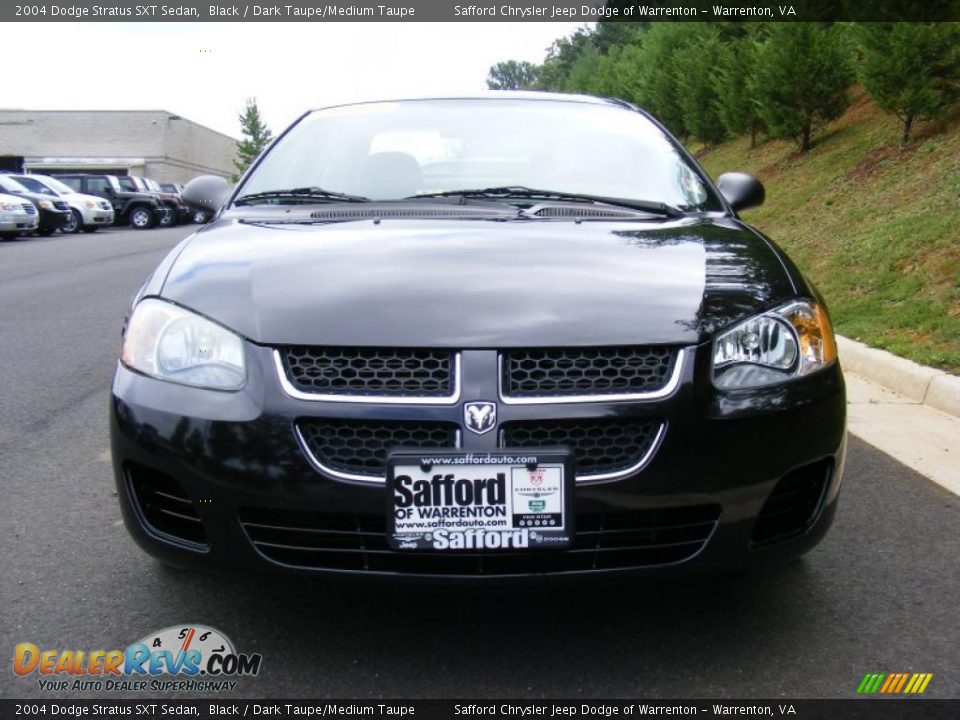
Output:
x,y
9,235
90,228
74,224
201,217
168,218
142,218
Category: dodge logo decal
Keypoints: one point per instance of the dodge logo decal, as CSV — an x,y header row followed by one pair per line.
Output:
x,y
480,417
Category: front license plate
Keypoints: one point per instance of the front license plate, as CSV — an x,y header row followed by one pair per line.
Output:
x,y
453,500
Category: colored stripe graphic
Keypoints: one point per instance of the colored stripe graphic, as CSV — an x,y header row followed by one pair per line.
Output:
x,y
894,683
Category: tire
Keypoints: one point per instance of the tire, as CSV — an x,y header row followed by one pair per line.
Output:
x,y
45,231
73,225
168,218
90,228
9,235
142,218
201,217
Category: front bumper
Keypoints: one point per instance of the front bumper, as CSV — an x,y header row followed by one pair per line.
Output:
x,y
53,220
96,217
246,481
17,222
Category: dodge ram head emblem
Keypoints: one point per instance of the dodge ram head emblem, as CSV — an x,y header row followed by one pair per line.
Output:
x,y
480,417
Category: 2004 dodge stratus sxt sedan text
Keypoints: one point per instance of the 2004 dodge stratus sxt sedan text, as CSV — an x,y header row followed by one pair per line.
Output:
x,y
501,335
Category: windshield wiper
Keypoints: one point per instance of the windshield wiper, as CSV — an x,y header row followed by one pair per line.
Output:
x,y
508,192
303,193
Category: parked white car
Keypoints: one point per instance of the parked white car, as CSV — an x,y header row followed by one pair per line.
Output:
x,y
89,211
18,216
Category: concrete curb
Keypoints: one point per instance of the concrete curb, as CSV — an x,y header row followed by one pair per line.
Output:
x,y
925,385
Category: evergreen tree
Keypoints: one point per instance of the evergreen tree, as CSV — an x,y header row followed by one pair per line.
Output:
x,y
256,136
736,105
512,75
656,79
911,70
800,79
696,65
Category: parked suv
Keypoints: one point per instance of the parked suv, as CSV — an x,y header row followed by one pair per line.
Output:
x,y
88,212
175,210
137,209
17,216
53,211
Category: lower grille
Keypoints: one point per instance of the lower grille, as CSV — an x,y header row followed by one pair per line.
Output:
x,y
601,446
603,541
793,505
359,447
164,507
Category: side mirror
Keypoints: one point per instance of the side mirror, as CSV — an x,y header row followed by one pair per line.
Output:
x,y
109,190
207,192
742,191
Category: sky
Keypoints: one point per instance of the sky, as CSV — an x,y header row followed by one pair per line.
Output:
x,y
205,71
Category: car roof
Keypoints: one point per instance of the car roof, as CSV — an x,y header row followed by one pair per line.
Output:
x,y
494,95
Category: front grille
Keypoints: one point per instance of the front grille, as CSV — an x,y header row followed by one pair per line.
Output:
x,y
164,507
60,205
382,372
359,447
793,505
603,541
29,209
601,446
586,371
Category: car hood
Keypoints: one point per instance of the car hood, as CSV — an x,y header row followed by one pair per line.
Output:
x,y
478,284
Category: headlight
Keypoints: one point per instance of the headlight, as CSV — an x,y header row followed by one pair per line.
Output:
x,y
169,343
46,204
89,204
793,340
10,206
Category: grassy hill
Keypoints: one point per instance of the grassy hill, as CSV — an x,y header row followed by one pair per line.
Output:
x,y
876,229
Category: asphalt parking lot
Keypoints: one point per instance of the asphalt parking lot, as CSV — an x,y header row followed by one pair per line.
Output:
x,y
878,595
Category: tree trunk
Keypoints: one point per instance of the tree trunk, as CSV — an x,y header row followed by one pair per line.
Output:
x,y
805,139
753,135
907,124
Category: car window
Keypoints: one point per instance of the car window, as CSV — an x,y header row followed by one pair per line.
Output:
x,y
55,184
74,183
11,185
127,183
35,186
98,185
395,149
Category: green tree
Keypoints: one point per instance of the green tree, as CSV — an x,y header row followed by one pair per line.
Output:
x,y
736,105
801,79
256,136
561,57
696,64
911,70
657,73
512,75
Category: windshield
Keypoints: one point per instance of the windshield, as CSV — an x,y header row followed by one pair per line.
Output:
x,y
56,185
35,186
127,183
11,185
392,150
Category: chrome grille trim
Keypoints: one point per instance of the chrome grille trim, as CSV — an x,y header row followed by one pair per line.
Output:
x,y
616,474
295,392
666,391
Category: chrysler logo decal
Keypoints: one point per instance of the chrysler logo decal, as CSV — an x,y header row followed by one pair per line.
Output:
x,y
479,417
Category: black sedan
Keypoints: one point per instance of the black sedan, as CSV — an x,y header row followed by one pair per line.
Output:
x,y
503,335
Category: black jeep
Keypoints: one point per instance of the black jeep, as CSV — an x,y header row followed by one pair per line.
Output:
x,y
138,209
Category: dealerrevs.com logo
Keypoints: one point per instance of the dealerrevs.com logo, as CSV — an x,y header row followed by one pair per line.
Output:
x,y
178,658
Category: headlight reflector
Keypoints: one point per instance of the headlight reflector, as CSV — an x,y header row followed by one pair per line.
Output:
x,y
170,343
793,340
46,204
